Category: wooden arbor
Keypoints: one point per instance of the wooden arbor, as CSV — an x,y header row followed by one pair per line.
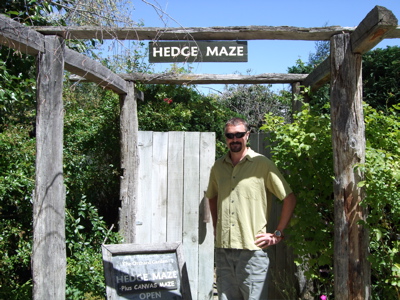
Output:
x,y
343,68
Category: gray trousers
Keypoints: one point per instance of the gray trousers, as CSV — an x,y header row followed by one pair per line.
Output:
x,y
241,274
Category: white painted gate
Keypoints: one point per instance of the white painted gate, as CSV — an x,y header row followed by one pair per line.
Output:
x,y
174,168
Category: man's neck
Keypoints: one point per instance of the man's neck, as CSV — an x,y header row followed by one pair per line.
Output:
x,y
236,157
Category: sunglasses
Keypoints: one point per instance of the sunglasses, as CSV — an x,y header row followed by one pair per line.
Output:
x,y
237,135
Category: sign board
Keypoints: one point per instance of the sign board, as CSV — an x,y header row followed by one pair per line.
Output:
x,y
198,51
137,272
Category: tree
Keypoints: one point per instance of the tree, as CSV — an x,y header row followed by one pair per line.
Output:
x,y
254,101
319,98
182,108
381,77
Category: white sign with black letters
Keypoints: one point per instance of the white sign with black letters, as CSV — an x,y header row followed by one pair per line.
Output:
x,y
198,51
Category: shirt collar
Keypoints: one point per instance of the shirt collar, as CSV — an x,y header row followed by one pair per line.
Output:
x,y
249,156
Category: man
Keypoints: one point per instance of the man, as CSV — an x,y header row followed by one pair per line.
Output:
x,y
240,193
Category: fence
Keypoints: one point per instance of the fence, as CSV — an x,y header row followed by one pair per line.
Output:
x,y
174,169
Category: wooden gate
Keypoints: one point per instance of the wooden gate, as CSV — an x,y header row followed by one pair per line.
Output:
x,y
174,168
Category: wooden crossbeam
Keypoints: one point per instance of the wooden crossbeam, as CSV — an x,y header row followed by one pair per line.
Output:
x,y
376,26
20,37
201,33
373,29
380,23
170,78
196,33
26,40
92,70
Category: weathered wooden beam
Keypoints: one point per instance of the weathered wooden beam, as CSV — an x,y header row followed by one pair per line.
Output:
x,y
196,33
373,29
29,41
49,250
319,76
393,34
20,37
93,71
129,165
169,78
378,24
351,266
296,104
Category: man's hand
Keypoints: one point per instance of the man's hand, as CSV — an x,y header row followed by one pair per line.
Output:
x,y
264,240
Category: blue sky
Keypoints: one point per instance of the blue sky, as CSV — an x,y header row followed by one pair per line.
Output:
x,y
263,56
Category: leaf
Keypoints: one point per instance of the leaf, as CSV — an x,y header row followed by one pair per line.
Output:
x,y
378,234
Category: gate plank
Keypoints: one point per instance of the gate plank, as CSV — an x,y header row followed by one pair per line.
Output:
x,y
144,203
159,187
173,172
206,231
191,206
175,186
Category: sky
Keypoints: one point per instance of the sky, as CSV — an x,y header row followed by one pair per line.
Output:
x,y
270,56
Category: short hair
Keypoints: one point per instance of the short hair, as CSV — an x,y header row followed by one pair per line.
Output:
x,y
236,122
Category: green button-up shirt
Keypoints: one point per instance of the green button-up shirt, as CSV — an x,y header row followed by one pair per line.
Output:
x,y
244,198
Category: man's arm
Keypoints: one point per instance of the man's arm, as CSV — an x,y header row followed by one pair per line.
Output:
x,y
214,213
264,240
289,203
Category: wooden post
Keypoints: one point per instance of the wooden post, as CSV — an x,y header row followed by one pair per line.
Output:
x,y
48,253
129,164
351,268
296,104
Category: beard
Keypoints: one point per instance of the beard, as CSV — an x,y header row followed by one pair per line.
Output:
x,y
235,146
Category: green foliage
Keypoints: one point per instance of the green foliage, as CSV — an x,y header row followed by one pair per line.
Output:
x,y
253,101
380,74
85,228
29,12
86,231
303,149
91,151
17,95
91,148
381,77
17,158
181,108
382,181
301,68
17,152
322,50
319,98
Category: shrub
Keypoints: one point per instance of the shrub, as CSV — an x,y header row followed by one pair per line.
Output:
x,y
303,149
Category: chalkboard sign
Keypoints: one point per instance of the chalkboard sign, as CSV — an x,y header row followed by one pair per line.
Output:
x,y
153,271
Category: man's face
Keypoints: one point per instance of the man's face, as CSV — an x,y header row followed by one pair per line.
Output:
x,y
236,144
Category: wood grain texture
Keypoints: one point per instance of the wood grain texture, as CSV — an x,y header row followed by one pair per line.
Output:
x,y
351,267
49,249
